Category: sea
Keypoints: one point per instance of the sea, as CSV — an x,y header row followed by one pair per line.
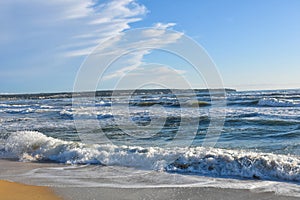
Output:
x,y
155,138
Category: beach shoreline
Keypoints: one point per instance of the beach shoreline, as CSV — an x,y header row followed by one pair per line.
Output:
x,y
172,193
22,172
15,191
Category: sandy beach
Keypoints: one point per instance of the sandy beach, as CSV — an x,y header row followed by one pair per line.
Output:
x,y
16,191
16,171
184,193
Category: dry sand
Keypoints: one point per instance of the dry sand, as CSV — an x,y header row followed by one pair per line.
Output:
x,y
17,191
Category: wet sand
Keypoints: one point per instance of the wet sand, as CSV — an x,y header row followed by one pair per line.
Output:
x,y
16,191
10,168
192,193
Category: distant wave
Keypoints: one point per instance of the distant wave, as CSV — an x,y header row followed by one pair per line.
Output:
x,y
243,102
274,102
18,111
270,102
35,146
188,103
3,105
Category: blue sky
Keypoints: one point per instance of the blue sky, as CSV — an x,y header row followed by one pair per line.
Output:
x,y
255,44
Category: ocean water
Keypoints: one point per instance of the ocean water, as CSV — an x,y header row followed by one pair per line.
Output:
x,y
128,137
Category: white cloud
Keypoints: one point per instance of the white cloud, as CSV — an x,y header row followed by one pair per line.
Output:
x,y
108,19
50,38
143,42
127,53
163,26
116,10
129,62
68,27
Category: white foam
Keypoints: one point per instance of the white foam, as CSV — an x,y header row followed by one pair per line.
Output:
x,y
278,102
124,177
34,146
3,105
104,103
17,110
85,111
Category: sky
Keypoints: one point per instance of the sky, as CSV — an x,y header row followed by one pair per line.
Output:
x,y
43,44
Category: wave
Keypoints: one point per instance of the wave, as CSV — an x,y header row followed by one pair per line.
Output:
x,y
274,102
18,111
191,103
35,146
104,103
242,102
188,103
3,105
262,121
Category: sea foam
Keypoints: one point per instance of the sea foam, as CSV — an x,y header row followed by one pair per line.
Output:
x,y
35,146
275,102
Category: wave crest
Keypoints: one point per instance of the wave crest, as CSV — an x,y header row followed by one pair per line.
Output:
x,y
274,102
34,146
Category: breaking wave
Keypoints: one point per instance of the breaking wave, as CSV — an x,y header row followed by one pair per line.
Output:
x,y
35,146
274,102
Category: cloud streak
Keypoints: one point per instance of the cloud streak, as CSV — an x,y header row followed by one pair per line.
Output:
x,y
41,40
72,28
148,40
107,19
48,39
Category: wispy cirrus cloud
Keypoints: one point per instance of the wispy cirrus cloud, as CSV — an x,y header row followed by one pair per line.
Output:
x,y
40,40
128,50
68,27
108,19
47,40
148,40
